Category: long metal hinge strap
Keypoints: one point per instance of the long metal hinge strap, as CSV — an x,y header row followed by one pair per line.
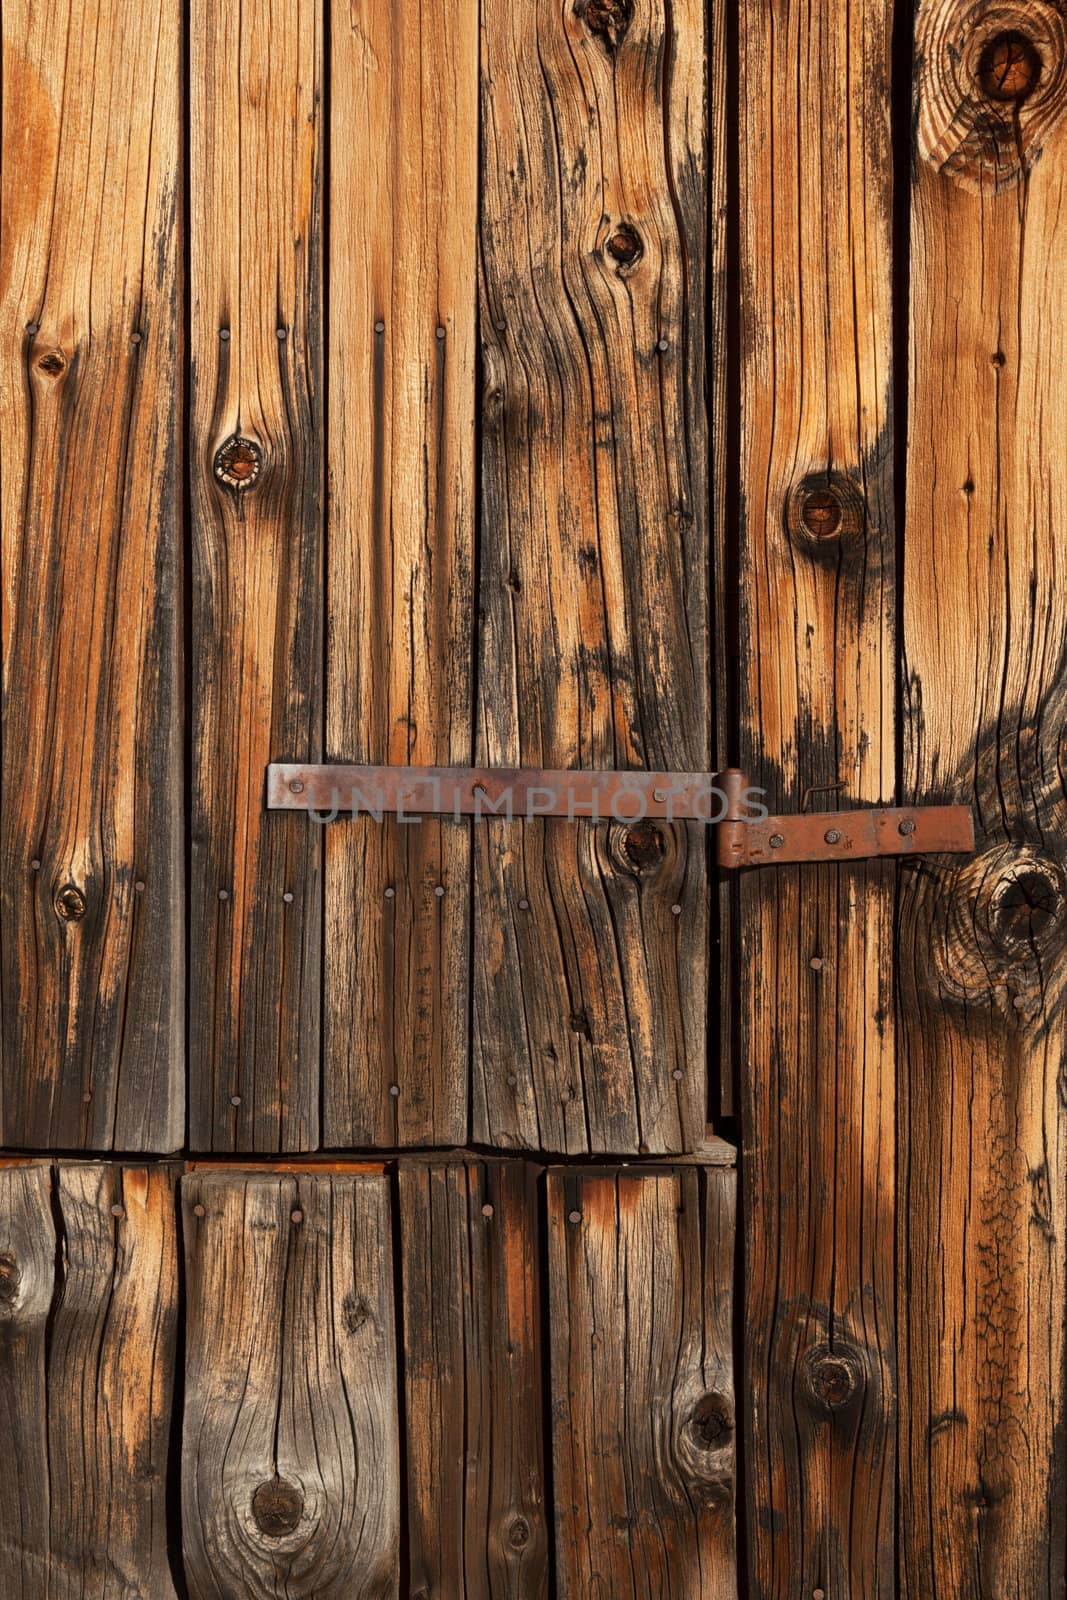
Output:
x,y
745,841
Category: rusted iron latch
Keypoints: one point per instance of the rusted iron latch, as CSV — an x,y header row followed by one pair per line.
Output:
x,y
747,836
746,841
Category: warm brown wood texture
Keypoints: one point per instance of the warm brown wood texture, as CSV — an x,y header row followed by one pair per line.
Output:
x,y
640,1278
88,1314
403,210
477,1522
590,940
256,462
983,1115
90,513
816,685
290,1472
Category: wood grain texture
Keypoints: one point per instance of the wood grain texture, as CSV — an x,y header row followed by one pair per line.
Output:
x,y
91,900
256,901
88,1317
817,708
404,200
476,1515
590,991
983,1116
290,1470
640,1280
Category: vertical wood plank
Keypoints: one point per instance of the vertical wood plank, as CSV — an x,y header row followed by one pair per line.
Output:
x,y
640,1280
403,201
477,1521
88,1317
91,902
983,1120
817,708
591,939
290,1471
256,451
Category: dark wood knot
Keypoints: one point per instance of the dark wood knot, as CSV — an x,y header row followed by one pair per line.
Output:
x,y
356,1312
53,363
624,246
1009,67
992,83
70,903
711,1422
994,928
607,19
518,1535
238,462
10,1278
833,1377
822,510
277,1507
1026,905
645,845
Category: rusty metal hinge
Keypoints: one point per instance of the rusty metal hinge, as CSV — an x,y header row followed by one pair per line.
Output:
x,y
745,838
838,835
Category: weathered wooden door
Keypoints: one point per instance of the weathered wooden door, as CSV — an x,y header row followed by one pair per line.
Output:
x,y
596,387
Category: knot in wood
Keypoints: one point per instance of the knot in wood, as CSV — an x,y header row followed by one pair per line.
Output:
x,y
607,19
823,509
994,929
711,1422
833,1377
70,903
644,845
53,363
10,1278
991,84
238,462
624,246
518,1536
277,1507
1009,67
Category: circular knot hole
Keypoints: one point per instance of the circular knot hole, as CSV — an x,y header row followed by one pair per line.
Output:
x,y
238,462
645,845
53,363
70,903
1009,67
1026,906
277,1507
821,513
711,1423
833,1377
624,246
824,508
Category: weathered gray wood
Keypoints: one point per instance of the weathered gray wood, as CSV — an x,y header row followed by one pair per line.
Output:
x,y
477,1522
290,1468
591,940
640,1279
88,1319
